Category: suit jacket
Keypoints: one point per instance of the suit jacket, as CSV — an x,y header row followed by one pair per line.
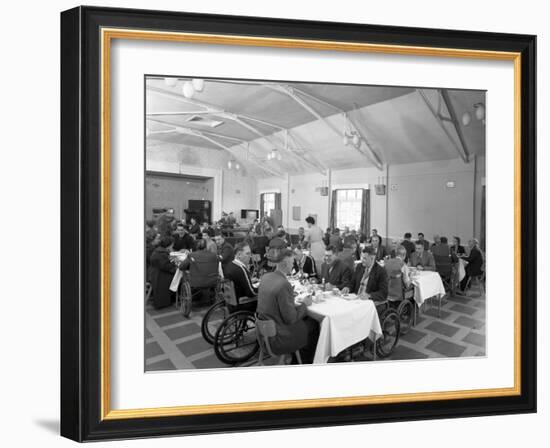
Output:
x,y
381,253
339,276
240,276
426,260
377,284
184,242
276,302
306,265
475,261
203,269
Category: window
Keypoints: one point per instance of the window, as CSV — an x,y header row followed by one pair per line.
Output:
x,y
349,208
268,202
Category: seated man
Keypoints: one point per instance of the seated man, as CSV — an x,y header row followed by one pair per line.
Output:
x,y
281,233
408,244
370,280
225,250
295,330
182,239
349,254
304,263
422,259
334,272
210,244
475,262
237,271
203,269
423,241
335,240
162,273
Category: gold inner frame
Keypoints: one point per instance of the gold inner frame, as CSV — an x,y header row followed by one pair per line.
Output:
x,y
107,35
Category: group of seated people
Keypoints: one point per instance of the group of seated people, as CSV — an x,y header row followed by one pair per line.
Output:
x,y
350,265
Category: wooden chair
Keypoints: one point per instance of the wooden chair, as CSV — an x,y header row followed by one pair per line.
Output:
x,y
266,329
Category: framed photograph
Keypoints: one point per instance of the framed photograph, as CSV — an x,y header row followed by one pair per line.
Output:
x,y
197,297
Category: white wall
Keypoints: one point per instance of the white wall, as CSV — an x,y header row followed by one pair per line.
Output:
x,y
419,200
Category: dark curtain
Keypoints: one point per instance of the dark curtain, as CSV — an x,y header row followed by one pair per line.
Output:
x,y
277,201
365,212
262,205
333,209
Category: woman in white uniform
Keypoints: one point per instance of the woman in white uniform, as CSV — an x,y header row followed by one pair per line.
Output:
x,y
314,240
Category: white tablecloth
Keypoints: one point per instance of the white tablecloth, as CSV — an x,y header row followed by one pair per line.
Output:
x,y
343,323
461,269
427,284
176,279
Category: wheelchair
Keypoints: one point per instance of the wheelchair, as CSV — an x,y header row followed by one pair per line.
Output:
x,y
185,294
401,299
230,325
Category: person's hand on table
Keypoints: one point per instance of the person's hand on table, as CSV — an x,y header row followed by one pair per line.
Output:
x,y
420,268
328,286
307,300
345,290
364,296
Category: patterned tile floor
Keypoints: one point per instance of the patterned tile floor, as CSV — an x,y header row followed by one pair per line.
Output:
x,y
174,342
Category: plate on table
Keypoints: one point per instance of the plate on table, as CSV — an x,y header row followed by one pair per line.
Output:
x,y
349,296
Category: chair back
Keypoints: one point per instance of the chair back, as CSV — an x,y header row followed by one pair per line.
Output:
x,y
395,286
443,265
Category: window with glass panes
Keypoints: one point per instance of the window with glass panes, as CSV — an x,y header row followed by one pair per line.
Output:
x,y
348,208
269,202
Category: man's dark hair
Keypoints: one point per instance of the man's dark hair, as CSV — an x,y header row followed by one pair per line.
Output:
x,y
408,235
421,234
311,220
150,222
332,248
239,247
166,241
443,240
369,250
457,238
180,224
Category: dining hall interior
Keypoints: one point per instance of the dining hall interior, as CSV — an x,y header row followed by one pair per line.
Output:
x,y
298,223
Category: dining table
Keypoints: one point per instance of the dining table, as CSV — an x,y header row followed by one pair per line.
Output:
x,y
344,320
427,284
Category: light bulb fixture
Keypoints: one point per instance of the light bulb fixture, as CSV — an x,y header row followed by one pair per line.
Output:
x,y
170,82
355,140
479,111
237,166
466,118
188,89
279,156
229,164
346,140
198,84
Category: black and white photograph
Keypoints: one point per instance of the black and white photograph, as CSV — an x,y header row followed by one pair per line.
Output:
x,y
296,223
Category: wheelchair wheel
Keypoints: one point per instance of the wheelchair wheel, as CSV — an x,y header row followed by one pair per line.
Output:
x,y
389,321
405,310
235,341
212,320
186,299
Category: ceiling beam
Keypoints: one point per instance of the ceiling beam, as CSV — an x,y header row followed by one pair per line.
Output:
x,y
462,151
456,124
237,118
295,95
199,134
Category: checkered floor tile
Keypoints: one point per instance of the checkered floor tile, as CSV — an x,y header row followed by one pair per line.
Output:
x,y
457,330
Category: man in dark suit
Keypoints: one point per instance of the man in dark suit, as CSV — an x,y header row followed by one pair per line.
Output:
x,y
295,330
237,271
225,250
304,263
475,262
334,272
370,280
182,239
203,270
423,241
380,250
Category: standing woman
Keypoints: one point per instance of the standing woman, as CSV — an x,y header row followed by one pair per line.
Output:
x,y
314,239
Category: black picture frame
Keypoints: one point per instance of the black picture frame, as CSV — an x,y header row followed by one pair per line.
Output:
x,y
81,209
